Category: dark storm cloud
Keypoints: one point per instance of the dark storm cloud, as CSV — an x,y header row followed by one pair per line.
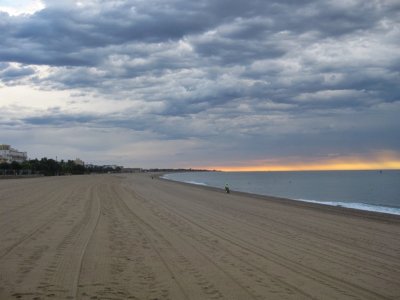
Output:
x,y
253,74
64,35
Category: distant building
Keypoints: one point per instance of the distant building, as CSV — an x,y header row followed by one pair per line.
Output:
x,y
79,162
8,154
114,167
131,170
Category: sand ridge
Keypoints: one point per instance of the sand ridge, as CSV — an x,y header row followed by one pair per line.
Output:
x,y
133,237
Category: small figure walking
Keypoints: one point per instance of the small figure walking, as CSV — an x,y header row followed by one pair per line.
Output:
x,y
227,189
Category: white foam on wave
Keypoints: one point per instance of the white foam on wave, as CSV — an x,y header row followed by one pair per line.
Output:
x,y
354,205
360,206
187,181
195,182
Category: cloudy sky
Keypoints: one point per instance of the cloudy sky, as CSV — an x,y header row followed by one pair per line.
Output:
x,y
228,84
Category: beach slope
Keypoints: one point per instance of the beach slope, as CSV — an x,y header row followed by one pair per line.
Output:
x,y
134,237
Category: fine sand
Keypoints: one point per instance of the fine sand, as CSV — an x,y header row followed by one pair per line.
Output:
x,y
133,237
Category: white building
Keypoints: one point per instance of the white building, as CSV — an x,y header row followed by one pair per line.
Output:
x,y
79,162
8,154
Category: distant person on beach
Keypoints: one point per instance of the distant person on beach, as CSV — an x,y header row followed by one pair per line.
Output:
x,y
227,189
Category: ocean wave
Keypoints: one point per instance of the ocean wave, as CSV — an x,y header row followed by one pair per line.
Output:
x,y
359,206
185,181
240,183
195,182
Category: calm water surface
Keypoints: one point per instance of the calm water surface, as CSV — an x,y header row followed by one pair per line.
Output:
x,y
366,190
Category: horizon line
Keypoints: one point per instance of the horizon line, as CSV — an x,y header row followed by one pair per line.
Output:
x,y
295,170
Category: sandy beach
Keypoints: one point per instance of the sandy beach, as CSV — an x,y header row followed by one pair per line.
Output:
x,y
134,237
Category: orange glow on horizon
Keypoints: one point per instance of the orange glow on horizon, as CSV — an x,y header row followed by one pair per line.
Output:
x,y
384,160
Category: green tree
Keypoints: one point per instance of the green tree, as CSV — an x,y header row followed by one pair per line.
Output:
x,y
26,167
15,167
35,166
4,167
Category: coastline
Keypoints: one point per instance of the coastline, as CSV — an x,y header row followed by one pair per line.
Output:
x,y
129,236
340,210
357,204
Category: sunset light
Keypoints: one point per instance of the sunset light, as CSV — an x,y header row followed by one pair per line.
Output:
x,y
384,160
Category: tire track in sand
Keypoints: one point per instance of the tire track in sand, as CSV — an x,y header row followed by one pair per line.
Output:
x,y
255,274
182,267
37,229
286,265
63,273
153,237
281,242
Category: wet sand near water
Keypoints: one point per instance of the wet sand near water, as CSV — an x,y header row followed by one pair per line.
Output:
x,y
133,237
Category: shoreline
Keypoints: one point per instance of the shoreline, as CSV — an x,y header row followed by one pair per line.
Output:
x,y
357,206
295,202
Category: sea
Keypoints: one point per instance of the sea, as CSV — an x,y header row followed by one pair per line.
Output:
x,y
377,191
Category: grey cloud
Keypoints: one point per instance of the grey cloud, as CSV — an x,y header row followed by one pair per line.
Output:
x,y
13,73
232,52
61,35
58,119
253,74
